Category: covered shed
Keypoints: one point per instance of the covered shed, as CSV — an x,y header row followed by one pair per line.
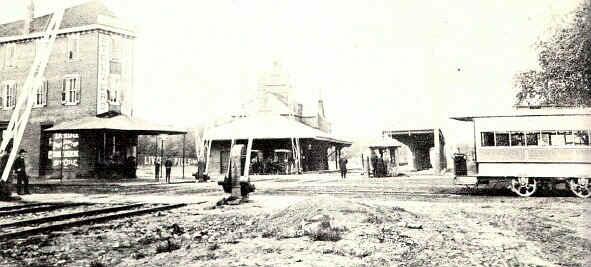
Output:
x,y
100,144
425,142
271,132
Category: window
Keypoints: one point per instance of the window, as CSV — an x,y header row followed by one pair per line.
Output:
x,y
581,137
488,139
517,139
73,47
546,139
502,139
10,56
41,95
71,90
533,138
8,94
566,137
115,67
113,92
116,48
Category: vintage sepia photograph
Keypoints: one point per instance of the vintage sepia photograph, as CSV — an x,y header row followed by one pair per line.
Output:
x,y
295,133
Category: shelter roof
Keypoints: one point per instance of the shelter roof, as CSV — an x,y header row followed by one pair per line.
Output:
x,y
411,123
384,142
114,123
269,127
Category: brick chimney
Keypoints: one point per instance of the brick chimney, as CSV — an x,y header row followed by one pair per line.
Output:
x,y
29,16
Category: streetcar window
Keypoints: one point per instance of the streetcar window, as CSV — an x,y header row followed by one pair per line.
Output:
x,y
533,138
517,139
581,138
502,139
546,139
488,139
564,138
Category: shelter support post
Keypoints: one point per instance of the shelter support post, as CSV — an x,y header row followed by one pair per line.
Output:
x,y
161,155
230,158
104,146
208,156
62,160
362,163
184,135
337,156
247,163
437,152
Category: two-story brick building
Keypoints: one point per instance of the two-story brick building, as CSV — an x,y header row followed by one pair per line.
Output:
x,y
89,73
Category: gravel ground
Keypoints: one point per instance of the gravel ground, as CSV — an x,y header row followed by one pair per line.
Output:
x,y
428,222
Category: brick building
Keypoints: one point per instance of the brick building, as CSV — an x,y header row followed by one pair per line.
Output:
x,y
89,73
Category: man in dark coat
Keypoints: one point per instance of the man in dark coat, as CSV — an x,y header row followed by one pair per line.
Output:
x,y
168,166
21,174
343,167
157,169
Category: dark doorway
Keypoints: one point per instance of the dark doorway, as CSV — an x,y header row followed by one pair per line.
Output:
x,y
224,160
44,148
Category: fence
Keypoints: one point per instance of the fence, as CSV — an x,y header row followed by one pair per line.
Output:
x,y
146,169
147,160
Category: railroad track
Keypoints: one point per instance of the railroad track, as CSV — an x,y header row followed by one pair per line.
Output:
x,y
47,224
354,192
38,207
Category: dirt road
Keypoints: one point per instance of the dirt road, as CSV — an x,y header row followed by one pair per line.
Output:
x,y
404,221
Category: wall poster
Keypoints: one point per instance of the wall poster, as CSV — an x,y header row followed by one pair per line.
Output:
x,y
70,150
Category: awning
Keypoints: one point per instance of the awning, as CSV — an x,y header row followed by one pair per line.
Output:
x,y
121,123
269,127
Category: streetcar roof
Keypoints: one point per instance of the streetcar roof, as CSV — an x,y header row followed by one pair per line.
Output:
x,y
530,113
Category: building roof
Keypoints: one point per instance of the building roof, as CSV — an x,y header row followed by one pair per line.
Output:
x,y
86,14
114,123
529,112
269,127
384,142
418,123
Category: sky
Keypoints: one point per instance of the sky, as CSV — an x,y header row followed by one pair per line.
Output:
x,y
375,63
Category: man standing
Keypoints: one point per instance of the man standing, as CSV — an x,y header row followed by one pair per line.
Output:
x,y
157,168
21,174
168,165
343,166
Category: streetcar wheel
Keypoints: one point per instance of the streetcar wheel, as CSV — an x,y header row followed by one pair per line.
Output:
x,y
524,186
580,187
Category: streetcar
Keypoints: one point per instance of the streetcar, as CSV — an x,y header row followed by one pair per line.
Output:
x,y
532,149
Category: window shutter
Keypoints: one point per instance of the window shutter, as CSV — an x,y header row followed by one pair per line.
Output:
x,y
44,93
2,95
77,99
64,91
13,95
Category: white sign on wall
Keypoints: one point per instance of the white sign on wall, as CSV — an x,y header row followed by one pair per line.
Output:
x,y
69,151
104,65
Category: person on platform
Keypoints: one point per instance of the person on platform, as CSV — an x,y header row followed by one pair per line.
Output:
x,y
343,166
168,166
21,174
156,169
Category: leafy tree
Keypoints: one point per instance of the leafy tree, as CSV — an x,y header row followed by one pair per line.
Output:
x,y
564,77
